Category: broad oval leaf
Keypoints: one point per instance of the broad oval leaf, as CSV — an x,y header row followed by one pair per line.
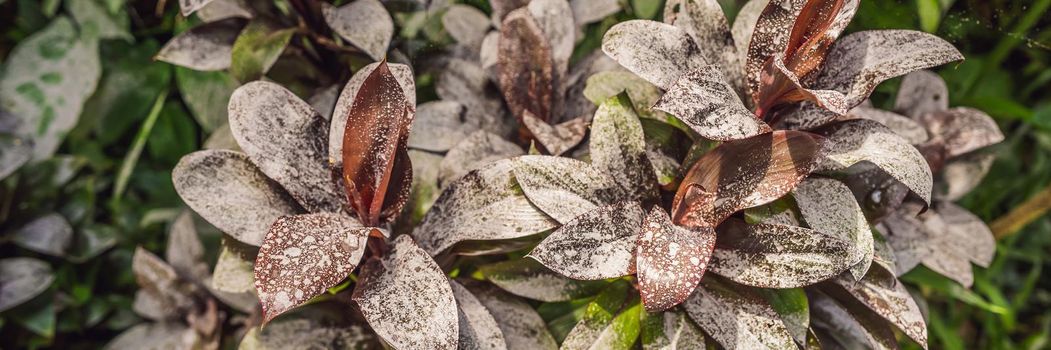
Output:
x,y
528,278
670,260
284,137
376,170
50,234
563,188
347,96
964,173
882,293
598,244
439,125
257,48
829,207
705,101
304,255
968,234
522,327
657,52
962,129
226,189
555,139
233,272
852,141
473,152
779,256
618,147
407,300
207,47
527,77
485,204
921,92
364,23
742,174
466,24
478,328
904,126
737,317
322,325
22,278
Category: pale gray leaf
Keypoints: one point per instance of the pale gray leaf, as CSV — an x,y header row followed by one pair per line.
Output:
x,y
904,126
206,47
676,332
603,85
231,193
882,293
223,9
407,300
590,11
185,252
737,317
921,92
324,101
556,139
340,114
780,256
555,19
829,207
14,152
364,23
425,190
325,325
189,6
962,129
473,152
522,327
466,24
845,327
529,279
22,279
488,56
285,138
598,244
705,22
156,336
618,147
439,125
478,328
563,188
964,173
705,101
160,286
50,234
485,204
657,52
853,141
967,234
222,138
233,271
469,84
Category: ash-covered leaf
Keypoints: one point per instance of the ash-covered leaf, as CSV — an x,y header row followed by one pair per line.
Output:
x,y
304,255
742,174
962,129
162,293
947,239
671,330
737,317
882,293
556,139
604,85
188,7
555,20
226,189
185,252
322,325
744,26
769,36
968,234
964,173
670,260
485,204
794,308
780,256
156,336
468,83
598,244
921,92
473,152
341,112
407,300
439,125
284,137
257,48
563,188
829,207
704,100
853,141
207,47
528,278
466,24
657,52
364,23
522,327
14,152
22,279
233,271
848,326
527,77
904,126
50,234
589,11
478,328
705,22
618,148
598,316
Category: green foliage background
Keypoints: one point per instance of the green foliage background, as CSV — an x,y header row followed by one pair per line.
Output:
x,y
113,179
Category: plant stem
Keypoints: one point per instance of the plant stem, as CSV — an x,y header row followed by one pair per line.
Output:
x,y
1030,210
132,157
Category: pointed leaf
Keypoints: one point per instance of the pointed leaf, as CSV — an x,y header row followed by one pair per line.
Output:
x,y
846,327
188,7
769,37
478,328
231,193
563,187
364,23
407,300
162,294
968,234
780,256
555,20
703,100
829,207
598,316
473,152
304,255
670,260
657,52
618,146
962,129
556,139
50,234
256,49
522,327
22,278
528,278
671,330
206,47
882,293
737,317
921,92
705,22
743,28
598,244
185,252
527,77
853,141
341,112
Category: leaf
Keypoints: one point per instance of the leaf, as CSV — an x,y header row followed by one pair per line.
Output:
x,y
555,20
794,308
468,83
882,293
95,21
341,112
162,294
425,188
23,278
162,335
528,278
522,327
207,47
478,328
502,8
473,152
121,101
376,170
878,193
47,78
703,100
222,9
657,52
623,332
207,95
904,126
188,7
844,326
256,49
527,71
14,152
964,173
772,28
281,133
466,24
603,85
556,139
921,92
49,234
485,204
590,11
742,174
364,23
780,256
706,24
407,300
670,260
962,129
737,317
233,271
598,316
618,147
596,245
304,255
318,325
563,188
185,252
829,207
743,28
440,125
231,193
968,234
853,141
671,330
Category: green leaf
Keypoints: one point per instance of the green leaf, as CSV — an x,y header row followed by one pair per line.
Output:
x,y
131,78
257,49
173,136
794,309
927,278
647,9
132,157
930,13
604,85
600,316
206,94
528,278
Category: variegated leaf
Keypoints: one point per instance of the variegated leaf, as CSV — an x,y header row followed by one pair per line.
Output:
x,y
849,326
257,49
744,27
304,255
737,317
563,188
23,278
407,300
528,278
522,327
705,22
882,293
364,23
473,152
226,189
921,92
618,147
829,207
222,9
598,244
780,256
341,112
527,76
853,141
468,83
555,20
670,260
962,129
769,36
657,52
671,330
206,47
704,100
907,128
478,328
878,193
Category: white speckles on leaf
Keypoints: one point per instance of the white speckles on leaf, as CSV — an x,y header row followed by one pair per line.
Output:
x,y
304,255
341,112
473,152
618,148
907,128
737,317
657,52
206,47
407,300
555,20
598,244
670,260
705,22
705,101
23,279
324,325
528,278
563,187
829,207
671,330
849,325
556,139
478,328
780,256
364,23
853,141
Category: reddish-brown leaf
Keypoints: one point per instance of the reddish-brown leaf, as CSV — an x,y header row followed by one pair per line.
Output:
x,y
742,174
527,68
818,25
670,260
375,164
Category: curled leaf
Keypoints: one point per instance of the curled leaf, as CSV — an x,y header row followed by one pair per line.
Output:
x,y
882,293
670,260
